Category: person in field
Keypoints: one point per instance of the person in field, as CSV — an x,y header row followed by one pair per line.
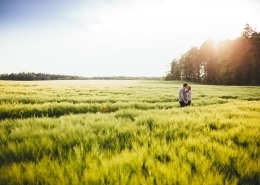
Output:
x,y
188,95
183,96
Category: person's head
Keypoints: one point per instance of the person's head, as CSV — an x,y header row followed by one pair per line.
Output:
x,y
189,87
185,85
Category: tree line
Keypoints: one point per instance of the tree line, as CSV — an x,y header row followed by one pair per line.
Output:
x,y
43,76
37,76
229,62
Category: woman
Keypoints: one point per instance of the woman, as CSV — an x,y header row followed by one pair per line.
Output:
x,y
188,95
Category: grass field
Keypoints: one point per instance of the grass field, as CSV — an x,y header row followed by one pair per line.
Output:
x,y
128,132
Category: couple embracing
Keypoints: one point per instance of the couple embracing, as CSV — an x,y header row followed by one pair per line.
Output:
x,y
185,95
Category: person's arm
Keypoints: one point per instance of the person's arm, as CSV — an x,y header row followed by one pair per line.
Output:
x,y
182,97
188,97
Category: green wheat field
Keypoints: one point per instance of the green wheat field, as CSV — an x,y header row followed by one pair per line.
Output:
x,y
128,132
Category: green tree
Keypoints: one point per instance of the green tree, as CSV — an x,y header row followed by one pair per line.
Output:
x,y
175,70
246,56
195,69
255,59
247,31
208,59
226,69
233,62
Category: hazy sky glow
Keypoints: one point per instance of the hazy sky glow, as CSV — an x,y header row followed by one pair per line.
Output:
x,y
113,37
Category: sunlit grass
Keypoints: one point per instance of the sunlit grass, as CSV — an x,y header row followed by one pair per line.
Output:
x,y
128,132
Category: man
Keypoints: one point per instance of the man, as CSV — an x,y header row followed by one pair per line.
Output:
x,y
188,94
182,95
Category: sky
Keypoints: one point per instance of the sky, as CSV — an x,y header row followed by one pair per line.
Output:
x,y
113,37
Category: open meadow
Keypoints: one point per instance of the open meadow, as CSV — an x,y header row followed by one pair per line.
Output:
x,y
128,132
